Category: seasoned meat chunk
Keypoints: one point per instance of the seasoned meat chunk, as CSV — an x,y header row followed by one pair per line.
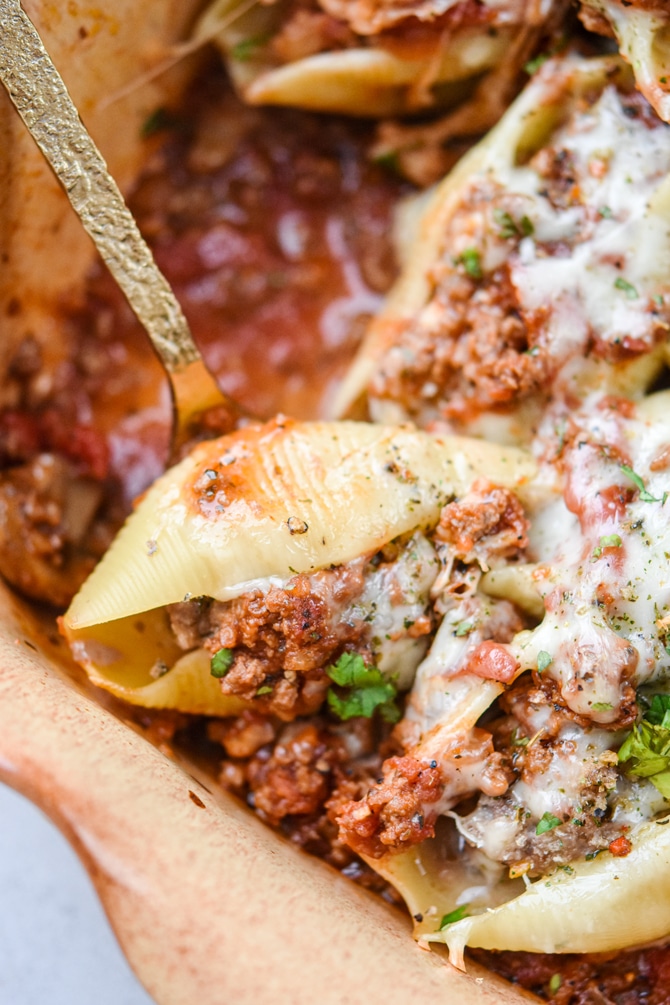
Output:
x,y
398,812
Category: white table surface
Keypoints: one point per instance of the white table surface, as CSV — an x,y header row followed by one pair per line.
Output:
x,y
56,946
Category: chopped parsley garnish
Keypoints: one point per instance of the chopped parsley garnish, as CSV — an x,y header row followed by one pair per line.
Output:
x,y
626,287
647,746
158,121
533,65
645,496
544,659
221,662
389,160
526,226
555,982
547,823
471,261
367,690
605,212
608,541
658,713
245,49
463,628
509,226
264,689
456,915
602,706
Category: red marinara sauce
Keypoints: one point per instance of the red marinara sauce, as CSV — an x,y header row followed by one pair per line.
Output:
x,y
273,228
637,977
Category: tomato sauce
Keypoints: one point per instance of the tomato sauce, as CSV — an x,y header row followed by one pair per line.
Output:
x,y
628,978
274,230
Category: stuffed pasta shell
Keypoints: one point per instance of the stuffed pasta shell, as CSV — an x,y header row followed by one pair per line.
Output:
x,y
641,30
371,59
546,749
540,267
270,555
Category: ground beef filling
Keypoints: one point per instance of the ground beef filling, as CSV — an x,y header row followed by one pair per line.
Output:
x,y
488,523
397,812
282,640
60,503
45,512
295,776
480,341
628,978
470,349
535,758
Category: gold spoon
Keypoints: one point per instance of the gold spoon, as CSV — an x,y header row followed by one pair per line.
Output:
x,y
39,95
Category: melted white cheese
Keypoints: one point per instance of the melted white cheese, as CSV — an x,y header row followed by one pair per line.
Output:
x,y
611,235
394,598
608,589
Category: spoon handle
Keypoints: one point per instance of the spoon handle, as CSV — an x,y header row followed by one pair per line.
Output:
x,y
39,95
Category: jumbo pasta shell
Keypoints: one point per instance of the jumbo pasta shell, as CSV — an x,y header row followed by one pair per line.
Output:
x,y
365,80
281,499
500,162
139,662
644,42
604,904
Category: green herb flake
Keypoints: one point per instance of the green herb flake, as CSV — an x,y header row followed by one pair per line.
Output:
x,y
265,689
221,662
244,50
463,628
389,160
608,541
544,660
645,496
526,226
658,713
533,65
554,983
471,261
646,750
507,224
605,212
509,227
367,690
157,122
590,855
547,823
602,706
626,287
456,915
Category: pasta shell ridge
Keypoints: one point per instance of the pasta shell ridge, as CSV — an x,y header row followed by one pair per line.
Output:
x,y
277,500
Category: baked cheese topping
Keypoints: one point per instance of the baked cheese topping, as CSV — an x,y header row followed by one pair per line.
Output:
x,y
549,268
